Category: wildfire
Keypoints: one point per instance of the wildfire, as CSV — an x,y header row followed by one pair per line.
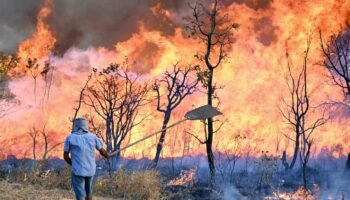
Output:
x,y
300,194
42,41
186,178
252,80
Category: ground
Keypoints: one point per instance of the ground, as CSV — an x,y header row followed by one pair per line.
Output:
x,y
12,191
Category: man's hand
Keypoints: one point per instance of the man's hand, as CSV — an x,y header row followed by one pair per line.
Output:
x,y
67,158
104,153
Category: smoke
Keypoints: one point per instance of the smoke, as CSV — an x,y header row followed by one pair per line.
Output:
x,y
335,186
230,192
17,22
85,23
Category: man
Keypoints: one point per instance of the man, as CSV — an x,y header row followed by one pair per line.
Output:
x,y
81,144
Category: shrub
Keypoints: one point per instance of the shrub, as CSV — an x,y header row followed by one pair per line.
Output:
x,y
135,185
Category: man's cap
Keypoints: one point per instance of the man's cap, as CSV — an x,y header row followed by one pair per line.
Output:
x,y
80,124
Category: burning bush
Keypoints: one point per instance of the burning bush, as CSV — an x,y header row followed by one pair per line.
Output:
x,y
136,185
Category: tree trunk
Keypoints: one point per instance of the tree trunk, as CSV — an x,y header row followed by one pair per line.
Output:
x,y
162,137
348,163
296,150
115,158
209,142
304,175
284,161
108,134
34,152
305,161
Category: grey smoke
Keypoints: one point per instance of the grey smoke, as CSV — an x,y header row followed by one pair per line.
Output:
x,y
85,23
17,22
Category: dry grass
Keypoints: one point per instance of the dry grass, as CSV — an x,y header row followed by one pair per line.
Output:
x,y
51,179
135,185
11,191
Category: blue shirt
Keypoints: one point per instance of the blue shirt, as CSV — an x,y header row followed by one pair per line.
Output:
x,y
82,146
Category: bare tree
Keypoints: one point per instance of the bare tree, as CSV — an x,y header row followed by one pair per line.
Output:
x,y
337,59
297,112
227,159
116,96
33,133
178,85
47,144
33,67
47,73
80,101
214,29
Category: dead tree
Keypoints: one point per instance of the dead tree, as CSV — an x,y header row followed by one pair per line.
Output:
x,y
297,112
215,31
348,162
80,101
47,73
116,96
337,60
33,135
178,85
33,67
47,144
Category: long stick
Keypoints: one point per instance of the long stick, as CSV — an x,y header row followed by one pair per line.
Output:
x,y
153,134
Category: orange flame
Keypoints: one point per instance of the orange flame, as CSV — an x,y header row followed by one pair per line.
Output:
x,y
187,178
42,41
253,80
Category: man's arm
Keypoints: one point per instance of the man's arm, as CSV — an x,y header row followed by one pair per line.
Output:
x,y
67,158
104,153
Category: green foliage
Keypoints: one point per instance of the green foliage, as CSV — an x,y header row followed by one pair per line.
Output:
x,y
7,63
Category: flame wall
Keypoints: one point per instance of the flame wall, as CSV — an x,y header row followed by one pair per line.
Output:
x,y
253,78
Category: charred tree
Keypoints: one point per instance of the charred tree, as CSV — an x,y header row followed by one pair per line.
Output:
x,y
348,163
116,97
297,113
284,161
47,73
33,67
178,85
33,135
80,101
337,61
47,144
214,29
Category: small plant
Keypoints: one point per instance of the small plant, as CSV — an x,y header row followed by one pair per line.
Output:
x,y
267,168
131,185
